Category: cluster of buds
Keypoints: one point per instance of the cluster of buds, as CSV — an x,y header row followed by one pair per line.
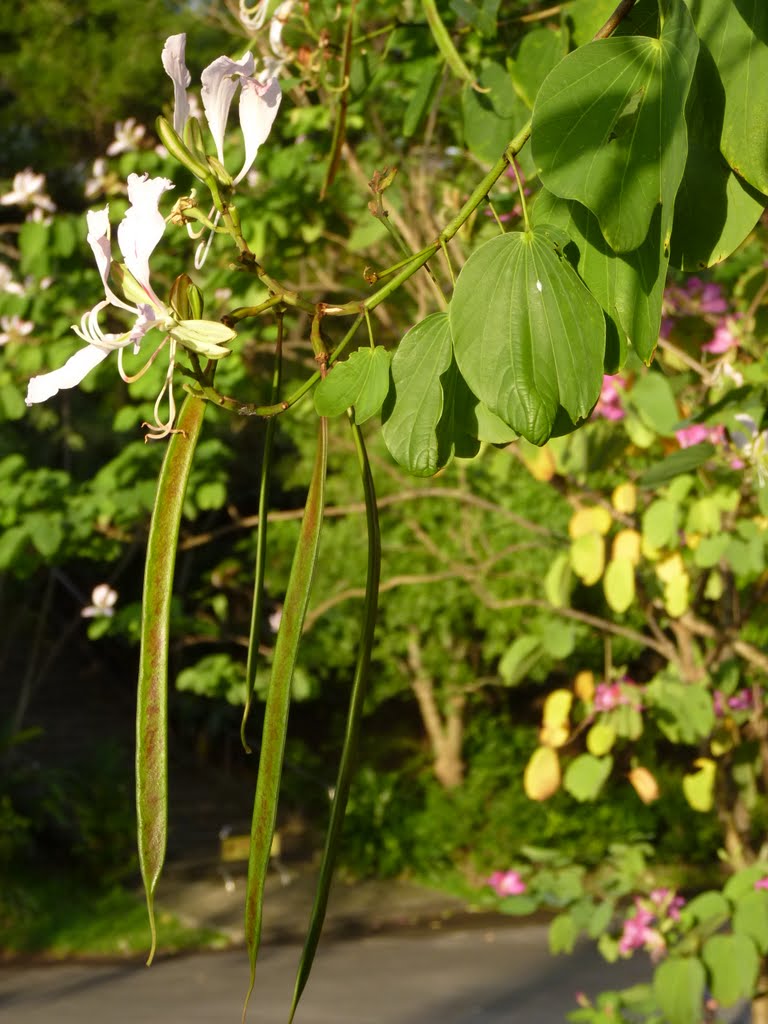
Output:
x,y
650,923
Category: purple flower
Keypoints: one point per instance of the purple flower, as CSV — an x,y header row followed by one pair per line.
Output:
x,y
723,339
507,883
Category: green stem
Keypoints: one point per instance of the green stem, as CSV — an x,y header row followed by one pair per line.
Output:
x,y
278,700
444,42
261,543
357,698
152,700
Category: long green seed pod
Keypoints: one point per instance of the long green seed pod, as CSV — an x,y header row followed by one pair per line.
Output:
x,y
261,541
152,701
354,716
278,699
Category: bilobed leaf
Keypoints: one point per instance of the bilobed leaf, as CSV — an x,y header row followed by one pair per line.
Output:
x,y
413,411
600,738
528,336
678,984
629,286
715,210
604,115
733,965
361,381
735,34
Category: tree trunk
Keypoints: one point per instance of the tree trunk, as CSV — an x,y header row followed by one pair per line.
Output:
x,y
445,731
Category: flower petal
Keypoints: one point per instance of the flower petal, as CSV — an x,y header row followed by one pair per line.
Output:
x,y
173,62
220,80
259,103
142,227
78,366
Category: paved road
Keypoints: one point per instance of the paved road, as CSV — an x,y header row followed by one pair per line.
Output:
x,y
494,976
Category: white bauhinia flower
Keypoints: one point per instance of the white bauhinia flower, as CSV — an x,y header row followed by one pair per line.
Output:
x,y
13,328
29,191
259,100
103,600
138,235
128,137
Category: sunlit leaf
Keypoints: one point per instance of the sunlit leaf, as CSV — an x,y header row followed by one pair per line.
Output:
x,y
542,774
361,381
528,336
609,127
585,776
678,985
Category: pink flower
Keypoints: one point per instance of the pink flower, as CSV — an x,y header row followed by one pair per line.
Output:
x,y
609,403
723,339
762,883
741,701
698,432
637,930
608,696
507,883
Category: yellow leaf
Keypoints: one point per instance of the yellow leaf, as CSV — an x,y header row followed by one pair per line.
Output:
x,y
540,462
645,784
626,544
676,596
542,774
699,786
595,519
619,584
584,685
624,498
671,568
600,738
553,735
557,707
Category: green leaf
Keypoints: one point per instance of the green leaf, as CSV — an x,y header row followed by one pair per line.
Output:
x,y
584,18
585,776
709,909
563,933
415,405
361,381
588,557
733,965
492,117
654,400
601,738
678,984
527,335
46,532
735,34
422,96
750,917
539,52
684,711
661,522
519,658
557,582
603,115
619,584
714,209
683,461
743,882
629,286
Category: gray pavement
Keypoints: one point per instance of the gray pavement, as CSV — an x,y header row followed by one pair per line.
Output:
x,y
491,975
